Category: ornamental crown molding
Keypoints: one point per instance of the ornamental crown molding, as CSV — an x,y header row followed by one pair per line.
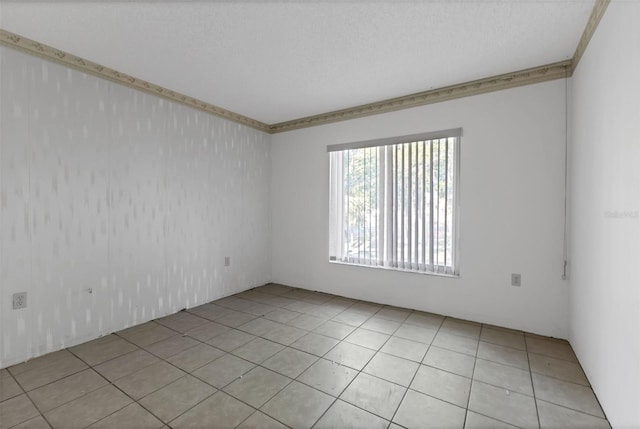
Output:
x,y
41,50
594,19
557,70
495,83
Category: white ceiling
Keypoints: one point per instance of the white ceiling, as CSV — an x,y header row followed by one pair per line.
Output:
x,y
281,60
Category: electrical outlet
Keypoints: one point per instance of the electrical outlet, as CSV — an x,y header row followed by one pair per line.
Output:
x,y
516,280
227,261
19,300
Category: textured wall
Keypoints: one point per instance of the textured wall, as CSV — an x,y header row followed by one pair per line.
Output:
x,y
106,188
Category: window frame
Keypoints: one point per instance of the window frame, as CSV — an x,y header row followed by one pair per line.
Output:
x,y
455,133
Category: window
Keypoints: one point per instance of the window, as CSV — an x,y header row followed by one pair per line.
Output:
x,y
393,202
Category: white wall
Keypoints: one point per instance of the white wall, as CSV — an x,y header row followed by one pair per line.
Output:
x,y
605,213
512,199
135,197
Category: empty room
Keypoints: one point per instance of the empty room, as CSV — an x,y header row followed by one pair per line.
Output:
x,y
320,214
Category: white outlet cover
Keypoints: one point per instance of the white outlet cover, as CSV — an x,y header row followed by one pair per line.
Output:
x,y
516,280
19,300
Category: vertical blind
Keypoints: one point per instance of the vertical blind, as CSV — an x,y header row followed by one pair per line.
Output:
x,y
393,202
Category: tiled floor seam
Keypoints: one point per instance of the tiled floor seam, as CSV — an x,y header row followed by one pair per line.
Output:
x,y
495,418
446,370
247,404
501,345
51,382
257,410
187,374
64,378
555,357
563,380
218,390
353,405
264,367
15,380
158,417
572,409
435,397
591,387
376,351
473,371
336,398
350,382
533,386
25,393
501,387
415,373
329,407
115,386
151,392
502,363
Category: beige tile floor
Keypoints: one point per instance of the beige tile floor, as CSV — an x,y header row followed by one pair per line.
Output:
x,y
276,357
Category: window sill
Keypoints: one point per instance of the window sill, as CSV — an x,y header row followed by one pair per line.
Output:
x,y
376,267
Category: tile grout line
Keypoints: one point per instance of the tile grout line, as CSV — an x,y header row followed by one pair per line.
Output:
x,y
489,384
42,413
339,364
17,384
336,398
256,365
88,366
317,357
473,371
358,371
185,375
573,409
294,379
26,394
161,360
134,401
60,379
533,386
379,351
221,389
418,369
